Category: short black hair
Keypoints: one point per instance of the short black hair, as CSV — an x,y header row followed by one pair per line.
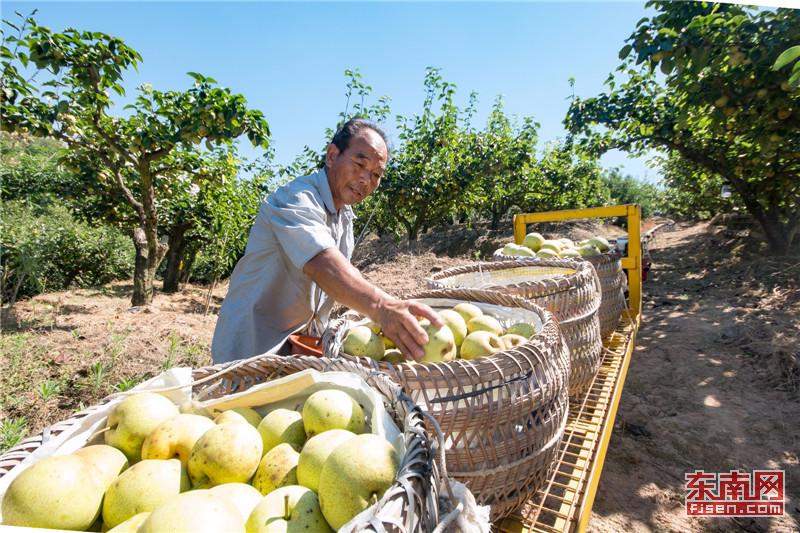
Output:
x,y
350,129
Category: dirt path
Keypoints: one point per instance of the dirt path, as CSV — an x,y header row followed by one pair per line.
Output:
x,y
702,391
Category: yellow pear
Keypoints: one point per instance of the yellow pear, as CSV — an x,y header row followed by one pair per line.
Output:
x,y
107,460
239,414
361,341
332,409
314,454
467,311
441,344
225,454
58,492
354,476
511,340
456,323
481,344
134,418
243,496
533,241
278,468
175,438
485,323
282,425
131,525
143,487
288,509
196,511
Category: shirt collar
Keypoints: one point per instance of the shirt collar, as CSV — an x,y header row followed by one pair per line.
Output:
x,y
325,191
327,196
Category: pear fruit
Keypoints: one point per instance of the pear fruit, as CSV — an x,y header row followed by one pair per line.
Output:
x,y
456,323
441,345
533,241
278,468
58,492
467,311
522,328
394,356
363,342
239,414
288,509
600,243
193,407
566,243
570,252
243,496
143,487
547,253
196,511
107,460
134,418
175,438
354,476
510,340
131,525
517,251
553,245
314,454
587,250
481,344
332,409
228,453
282,425
485,323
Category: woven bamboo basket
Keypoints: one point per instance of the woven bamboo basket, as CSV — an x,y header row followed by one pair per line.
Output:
x,y
568,289
612,286
409,505
502,416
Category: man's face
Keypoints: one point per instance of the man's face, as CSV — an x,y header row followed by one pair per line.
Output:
x,y
356,172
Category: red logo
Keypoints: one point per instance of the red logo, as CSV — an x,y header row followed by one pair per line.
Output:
x,y
735,493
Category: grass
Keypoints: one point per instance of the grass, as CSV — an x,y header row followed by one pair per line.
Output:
x,y
126,383
49,388
12,431
97,373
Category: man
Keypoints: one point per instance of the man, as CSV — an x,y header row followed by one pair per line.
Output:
x,y
300,247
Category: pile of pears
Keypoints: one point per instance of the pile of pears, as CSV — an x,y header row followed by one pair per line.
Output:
x,y
169,469
535,245
468,333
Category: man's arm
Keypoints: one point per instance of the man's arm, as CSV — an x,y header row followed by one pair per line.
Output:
x,y
340,280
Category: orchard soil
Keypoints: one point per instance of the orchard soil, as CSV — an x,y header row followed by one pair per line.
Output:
x,y
713,383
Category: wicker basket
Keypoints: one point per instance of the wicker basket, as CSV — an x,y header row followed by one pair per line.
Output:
x,y
612,286
409,505
502,416
568,289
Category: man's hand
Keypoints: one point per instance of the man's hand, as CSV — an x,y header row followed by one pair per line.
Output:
x,y
398,320
344,283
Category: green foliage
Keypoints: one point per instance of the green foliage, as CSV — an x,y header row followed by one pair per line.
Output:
x,y
625,189
12,431
29,169
138,155
721,106
45,248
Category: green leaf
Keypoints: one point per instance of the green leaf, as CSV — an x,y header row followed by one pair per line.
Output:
x,y
625,51
794,79
786,57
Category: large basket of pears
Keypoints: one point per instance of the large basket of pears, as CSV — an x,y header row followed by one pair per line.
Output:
x,y
597,251
317,465
501,403
568,289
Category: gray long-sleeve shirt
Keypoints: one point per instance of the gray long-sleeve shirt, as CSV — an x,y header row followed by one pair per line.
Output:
x,y
270,296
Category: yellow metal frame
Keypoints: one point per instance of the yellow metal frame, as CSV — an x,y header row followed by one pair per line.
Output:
x,y
565,502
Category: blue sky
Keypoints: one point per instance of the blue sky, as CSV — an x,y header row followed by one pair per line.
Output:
x,y
288,59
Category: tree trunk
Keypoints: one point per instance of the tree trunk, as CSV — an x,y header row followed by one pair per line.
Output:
x,y
175,258
190,256
145,267
496,216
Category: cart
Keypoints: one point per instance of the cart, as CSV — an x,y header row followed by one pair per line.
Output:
x,y
565,501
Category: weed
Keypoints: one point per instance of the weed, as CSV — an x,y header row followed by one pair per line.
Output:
x,y
173,351
97,372
12,430
49,388
126,383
